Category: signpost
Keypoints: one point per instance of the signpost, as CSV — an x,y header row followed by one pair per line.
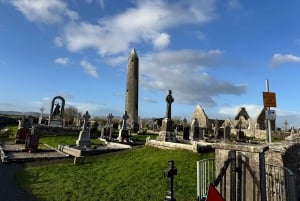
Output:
x,y
269,99
270,115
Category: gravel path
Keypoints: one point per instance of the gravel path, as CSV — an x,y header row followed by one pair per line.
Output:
x,y
9,189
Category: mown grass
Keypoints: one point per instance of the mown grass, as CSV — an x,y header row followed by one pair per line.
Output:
x,y
10,135
136,174
54,141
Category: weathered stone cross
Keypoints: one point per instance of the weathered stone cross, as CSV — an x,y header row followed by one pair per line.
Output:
x,y
86,117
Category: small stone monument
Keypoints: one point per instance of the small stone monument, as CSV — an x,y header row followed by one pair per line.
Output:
x,y
186,130
23,130
93,129
32,141
227,132
124,132
167,132
195,131
56,114
84,135
169,174
41,116
107,129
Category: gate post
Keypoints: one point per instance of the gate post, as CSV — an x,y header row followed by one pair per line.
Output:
x,y
262,172
247,170
232,156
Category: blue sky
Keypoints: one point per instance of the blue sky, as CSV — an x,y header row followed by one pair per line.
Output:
x,y
215,53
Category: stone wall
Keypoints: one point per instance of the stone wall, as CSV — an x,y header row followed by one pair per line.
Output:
x,y
7,121
55,130
171,145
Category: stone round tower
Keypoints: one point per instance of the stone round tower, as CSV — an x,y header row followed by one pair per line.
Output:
x,y
132,90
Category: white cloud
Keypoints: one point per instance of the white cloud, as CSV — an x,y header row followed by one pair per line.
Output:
x,y
58,41
89,68
61,60
147,22
50,11
234,4
281,59
184,73
161,41
100,2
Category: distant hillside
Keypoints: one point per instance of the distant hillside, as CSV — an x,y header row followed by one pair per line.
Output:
x,y
35,114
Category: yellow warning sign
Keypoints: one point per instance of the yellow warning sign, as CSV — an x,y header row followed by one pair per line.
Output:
x,y
269,99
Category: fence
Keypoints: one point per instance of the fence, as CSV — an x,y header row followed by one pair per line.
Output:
x,y
280,181
205,175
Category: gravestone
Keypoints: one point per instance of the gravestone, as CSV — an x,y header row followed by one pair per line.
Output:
x,y
32,141
124,132
84,135
195,131
25,122
41,116
56,114
22,135
93,129
227,131
167,132
106,131
24,126
241,137
186,133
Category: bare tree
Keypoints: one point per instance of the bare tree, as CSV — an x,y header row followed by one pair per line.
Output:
x,y
70,113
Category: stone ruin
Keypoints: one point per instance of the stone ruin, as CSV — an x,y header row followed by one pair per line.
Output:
x,y
241,126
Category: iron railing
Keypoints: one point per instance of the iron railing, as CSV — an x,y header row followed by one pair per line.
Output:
x,y
206,174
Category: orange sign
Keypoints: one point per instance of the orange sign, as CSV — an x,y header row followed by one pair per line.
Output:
x,y
269,99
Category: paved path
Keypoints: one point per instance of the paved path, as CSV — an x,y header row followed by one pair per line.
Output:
x,y
9,189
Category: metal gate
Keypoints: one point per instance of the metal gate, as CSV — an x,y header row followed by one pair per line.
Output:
x,y
279,181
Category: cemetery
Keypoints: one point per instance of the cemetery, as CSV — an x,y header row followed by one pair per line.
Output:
x,y
123,158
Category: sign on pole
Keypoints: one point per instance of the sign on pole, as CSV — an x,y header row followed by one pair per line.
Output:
x,y
270,115
269,99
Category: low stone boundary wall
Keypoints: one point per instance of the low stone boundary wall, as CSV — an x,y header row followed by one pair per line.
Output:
x,y
55,130
171,145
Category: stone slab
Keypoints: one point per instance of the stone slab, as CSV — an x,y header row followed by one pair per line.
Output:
x,y
76,151
25,156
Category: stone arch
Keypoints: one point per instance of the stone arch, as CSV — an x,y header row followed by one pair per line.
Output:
x,y
61,109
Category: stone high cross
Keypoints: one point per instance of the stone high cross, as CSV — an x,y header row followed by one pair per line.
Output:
x,y
86,117
169,100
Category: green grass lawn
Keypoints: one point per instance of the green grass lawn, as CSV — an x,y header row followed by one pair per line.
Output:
x,y
10,135
54,141
136,174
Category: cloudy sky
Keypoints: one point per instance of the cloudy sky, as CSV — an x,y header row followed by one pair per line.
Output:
x,y
215,53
